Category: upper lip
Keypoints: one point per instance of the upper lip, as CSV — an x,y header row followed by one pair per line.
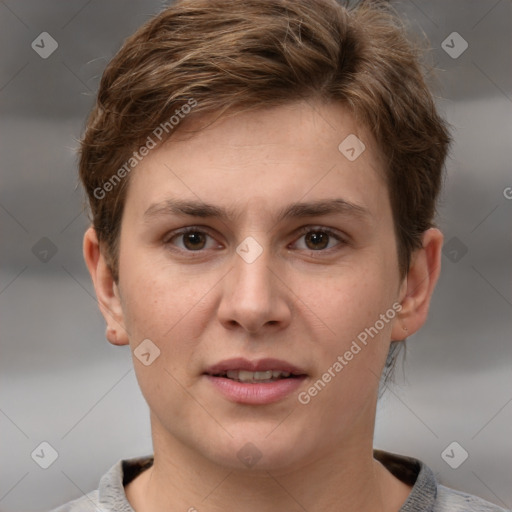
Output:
x,y
260,365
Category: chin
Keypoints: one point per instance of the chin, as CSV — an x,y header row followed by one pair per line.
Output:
x,y
259,452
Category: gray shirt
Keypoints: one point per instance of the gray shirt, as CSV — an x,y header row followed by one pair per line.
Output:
x,y
426,495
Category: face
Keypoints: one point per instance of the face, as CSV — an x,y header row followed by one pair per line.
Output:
x,y
257,245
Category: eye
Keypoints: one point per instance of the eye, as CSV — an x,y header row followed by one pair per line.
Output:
x,y
317,239
192,239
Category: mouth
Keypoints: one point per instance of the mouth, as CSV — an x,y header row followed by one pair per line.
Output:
x,y
255,382
255,377
262,370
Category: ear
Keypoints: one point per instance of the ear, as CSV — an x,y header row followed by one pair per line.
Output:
x,y
418,286
107,290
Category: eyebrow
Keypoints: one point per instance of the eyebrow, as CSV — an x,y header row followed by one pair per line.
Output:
x,y
201,209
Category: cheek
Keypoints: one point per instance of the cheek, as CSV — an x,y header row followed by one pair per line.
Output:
x,y
165,312
172,310
157,296
347,299
350,341
346,322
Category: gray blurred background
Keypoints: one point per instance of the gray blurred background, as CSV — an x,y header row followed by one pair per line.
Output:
x,y
63,384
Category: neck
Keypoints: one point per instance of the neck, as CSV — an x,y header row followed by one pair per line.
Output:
x,y
346,478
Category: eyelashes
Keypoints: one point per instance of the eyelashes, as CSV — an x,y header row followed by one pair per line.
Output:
x,y
312,239
191,238
321,236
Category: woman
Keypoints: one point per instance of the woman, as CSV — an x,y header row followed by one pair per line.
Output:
x,y
262,177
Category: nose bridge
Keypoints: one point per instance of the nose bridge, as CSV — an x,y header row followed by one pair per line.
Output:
x,y
252,286
252,297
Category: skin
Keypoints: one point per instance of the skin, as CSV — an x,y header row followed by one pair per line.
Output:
x,y
299,301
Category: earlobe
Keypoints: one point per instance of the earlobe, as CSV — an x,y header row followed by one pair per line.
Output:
x,y
419,284
106,289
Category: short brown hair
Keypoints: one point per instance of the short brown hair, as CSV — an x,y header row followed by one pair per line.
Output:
x,y
227,55
232,56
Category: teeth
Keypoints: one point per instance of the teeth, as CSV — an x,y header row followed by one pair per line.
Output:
x,y
246,376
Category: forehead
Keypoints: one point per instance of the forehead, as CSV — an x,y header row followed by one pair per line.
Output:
x,y
260,160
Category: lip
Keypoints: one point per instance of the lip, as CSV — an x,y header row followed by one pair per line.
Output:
x,y
261,365
255,393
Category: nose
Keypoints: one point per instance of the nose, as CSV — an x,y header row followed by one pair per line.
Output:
x,y
254,298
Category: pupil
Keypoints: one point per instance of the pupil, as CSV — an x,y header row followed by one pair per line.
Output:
x,y
317,239
194,241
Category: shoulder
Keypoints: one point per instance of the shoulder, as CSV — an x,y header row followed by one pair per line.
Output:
x,y
110,495
87,503
426,493
450,500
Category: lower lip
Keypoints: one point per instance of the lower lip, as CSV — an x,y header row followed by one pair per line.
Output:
x,y
257,393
